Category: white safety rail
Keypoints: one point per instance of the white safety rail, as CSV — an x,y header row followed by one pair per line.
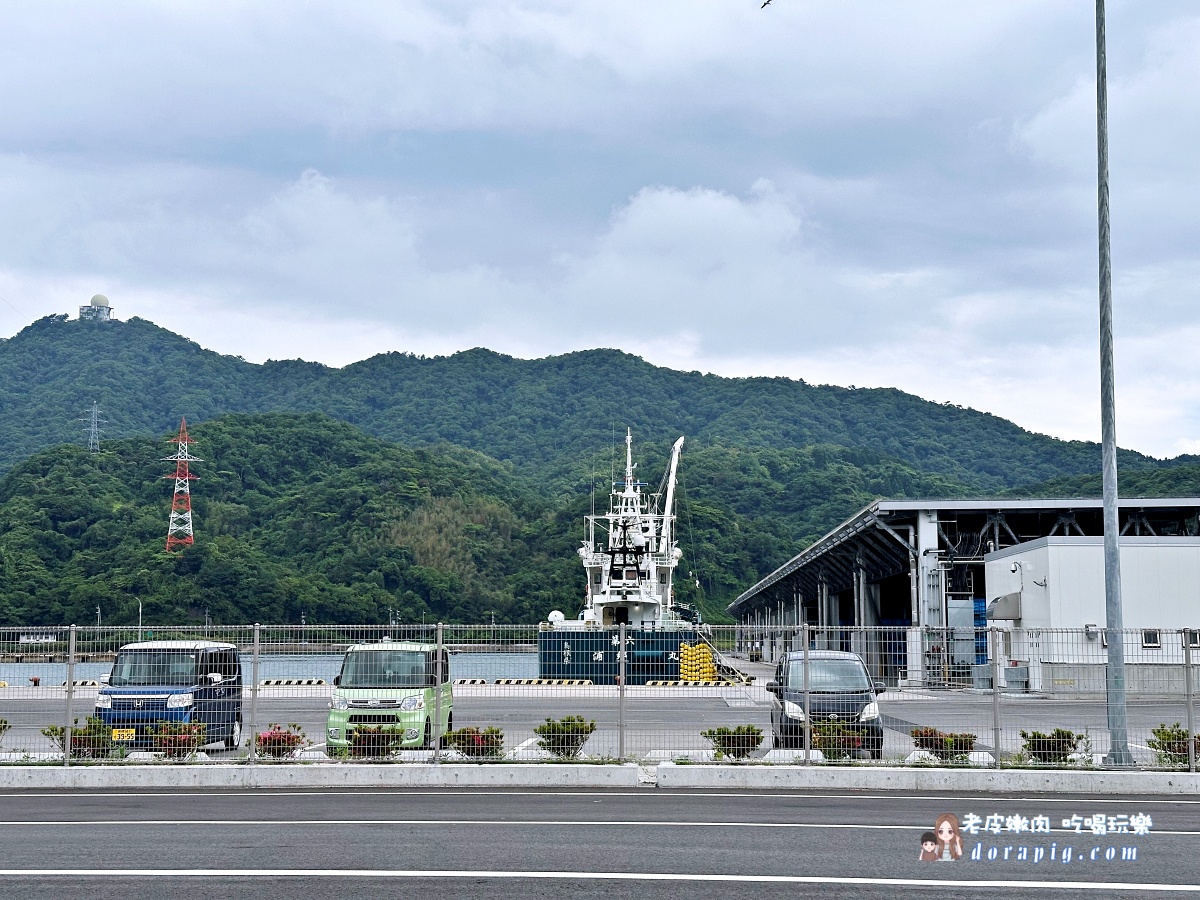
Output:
x,y
275,694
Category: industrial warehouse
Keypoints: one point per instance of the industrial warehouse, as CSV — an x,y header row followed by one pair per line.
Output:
x,y
911,585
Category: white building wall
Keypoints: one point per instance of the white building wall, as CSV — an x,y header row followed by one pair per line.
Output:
x,y
1059,635
1160,581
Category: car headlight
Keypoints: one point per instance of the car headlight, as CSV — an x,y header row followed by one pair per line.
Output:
x,y
339,703
104,701
179,701
870,711
793,710
410,703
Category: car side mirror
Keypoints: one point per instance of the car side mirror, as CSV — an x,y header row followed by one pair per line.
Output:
x,y
773,687
337,679
215,677
105,678
880,687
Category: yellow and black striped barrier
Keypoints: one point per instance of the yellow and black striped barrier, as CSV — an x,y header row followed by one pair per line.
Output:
x,y
85,683
470,681
544,681
291,682
691,684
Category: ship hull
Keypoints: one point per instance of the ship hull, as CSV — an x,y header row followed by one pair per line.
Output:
x,y
592,655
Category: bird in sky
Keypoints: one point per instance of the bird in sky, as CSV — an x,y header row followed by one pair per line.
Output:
x,y
764,6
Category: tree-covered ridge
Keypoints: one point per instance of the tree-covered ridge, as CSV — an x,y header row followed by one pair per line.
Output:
x,y
546,416
1177,478
294,514
304,514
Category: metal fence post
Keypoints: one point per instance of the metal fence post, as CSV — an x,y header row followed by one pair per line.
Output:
x,y
437,698
69,723
1188,688
995,635
621,669
806,725
254,694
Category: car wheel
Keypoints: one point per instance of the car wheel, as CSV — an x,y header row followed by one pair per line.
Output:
x,y
235,735
427,743
877,753
449,727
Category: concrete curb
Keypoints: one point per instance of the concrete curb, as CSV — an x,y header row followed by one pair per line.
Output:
x,y
291,775
922,780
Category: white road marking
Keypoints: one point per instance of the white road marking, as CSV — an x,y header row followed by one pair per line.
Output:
x,y
1125,886
766,794
511,823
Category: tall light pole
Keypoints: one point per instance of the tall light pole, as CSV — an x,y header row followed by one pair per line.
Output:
x,y
1118,727
139,600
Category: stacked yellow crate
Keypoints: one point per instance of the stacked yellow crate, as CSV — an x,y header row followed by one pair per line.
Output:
x,y
696,663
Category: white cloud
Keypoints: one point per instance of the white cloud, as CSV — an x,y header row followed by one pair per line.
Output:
x,y
879,194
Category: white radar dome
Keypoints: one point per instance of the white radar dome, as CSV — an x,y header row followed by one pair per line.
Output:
x,y
99,300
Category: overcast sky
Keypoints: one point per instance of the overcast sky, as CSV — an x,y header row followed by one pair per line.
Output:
x,y
898,192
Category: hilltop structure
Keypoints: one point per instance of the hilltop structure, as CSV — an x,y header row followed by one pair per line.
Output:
x,y
97,310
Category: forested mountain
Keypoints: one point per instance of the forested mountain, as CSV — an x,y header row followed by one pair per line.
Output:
x,y
303,514
451,487
547,417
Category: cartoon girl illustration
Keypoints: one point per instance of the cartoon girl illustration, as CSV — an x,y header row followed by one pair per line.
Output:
x,y
928,847
949,839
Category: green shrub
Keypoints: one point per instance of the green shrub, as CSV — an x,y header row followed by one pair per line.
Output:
x,y
93,740
178,739
565,737
1050,748
375,740
736,743
477,744
1170,742
278,740
944,744
835,740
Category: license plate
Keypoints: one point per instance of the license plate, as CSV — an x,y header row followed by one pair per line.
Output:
x,y
124,734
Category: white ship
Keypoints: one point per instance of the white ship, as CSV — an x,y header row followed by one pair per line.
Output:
x,y
630,554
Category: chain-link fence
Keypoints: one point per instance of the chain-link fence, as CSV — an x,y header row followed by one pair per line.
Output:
x,y
267,694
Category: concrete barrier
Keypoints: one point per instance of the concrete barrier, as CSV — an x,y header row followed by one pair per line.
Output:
x,y
925,780
293,775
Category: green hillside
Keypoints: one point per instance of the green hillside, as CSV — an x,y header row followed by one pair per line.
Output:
x,y
303,514
548,417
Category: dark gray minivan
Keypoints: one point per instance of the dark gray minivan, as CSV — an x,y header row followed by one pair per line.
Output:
x,y
173,681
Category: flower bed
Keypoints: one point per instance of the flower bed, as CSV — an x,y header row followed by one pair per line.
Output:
x,y
736,743
477,744
178,739
279,741
1170,743
837,741
1054,747
944,744
565,737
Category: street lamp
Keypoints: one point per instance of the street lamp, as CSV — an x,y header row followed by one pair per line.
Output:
x,y
1118,728
97,616
139,601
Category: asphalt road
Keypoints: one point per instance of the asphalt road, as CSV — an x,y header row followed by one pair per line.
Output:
x,y
672,724
645,844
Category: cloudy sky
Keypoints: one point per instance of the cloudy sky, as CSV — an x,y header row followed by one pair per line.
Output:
x,y
868,192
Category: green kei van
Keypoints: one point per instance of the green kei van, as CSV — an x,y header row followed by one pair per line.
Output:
x,y
394,684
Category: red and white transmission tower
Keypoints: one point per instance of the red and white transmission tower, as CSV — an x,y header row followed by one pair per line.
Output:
x,y
179,531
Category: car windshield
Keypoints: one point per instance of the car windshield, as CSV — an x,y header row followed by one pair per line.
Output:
x,y
384,668
829,675
135,667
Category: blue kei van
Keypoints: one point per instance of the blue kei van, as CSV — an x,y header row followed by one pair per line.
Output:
x,y
176,682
